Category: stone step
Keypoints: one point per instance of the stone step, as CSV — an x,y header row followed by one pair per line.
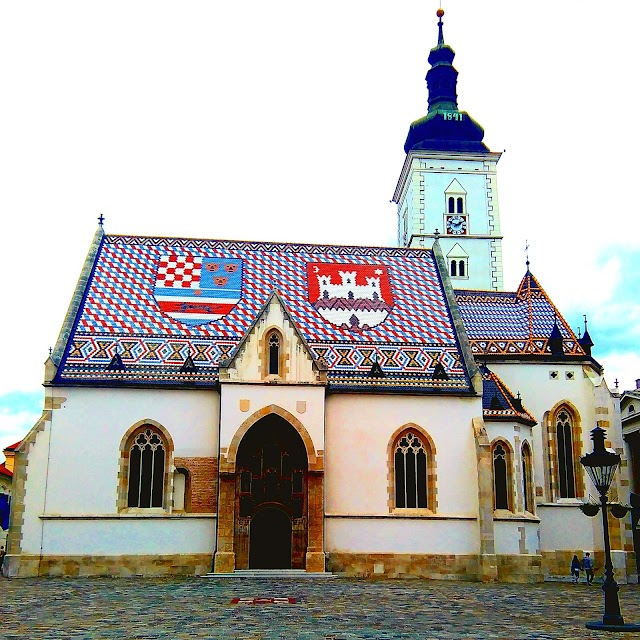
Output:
x,y
269,574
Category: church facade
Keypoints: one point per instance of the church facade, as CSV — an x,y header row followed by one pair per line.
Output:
x,y
370,411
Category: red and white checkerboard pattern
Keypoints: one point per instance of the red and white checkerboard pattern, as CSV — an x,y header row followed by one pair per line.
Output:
x,y
181,272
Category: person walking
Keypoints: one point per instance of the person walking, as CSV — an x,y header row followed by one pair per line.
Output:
x,y
3,553
587,565
575,569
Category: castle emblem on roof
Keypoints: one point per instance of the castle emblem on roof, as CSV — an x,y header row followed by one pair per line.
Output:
x,y
196,289
351,296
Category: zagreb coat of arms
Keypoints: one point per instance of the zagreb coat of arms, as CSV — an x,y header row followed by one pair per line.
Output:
x,y
196,289
351,296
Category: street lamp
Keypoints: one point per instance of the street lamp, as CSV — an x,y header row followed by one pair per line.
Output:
x,y
601,466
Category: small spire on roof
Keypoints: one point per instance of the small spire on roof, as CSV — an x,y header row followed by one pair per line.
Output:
x,y
436,234
440,13
526,251
101,220
585,340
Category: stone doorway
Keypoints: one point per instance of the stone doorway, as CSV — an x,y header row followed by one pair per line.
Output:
x,y
270,540
271,497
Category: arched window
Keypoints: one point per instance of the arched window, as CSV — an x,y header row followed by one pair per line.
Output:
x,y
564,442
147,463
461,268
501,475
274,353
454,268
451,205
410,472
460,203
527,479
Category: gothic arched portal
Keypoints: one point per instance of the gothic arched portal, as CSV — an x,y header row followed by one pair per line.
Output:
x,y
271,497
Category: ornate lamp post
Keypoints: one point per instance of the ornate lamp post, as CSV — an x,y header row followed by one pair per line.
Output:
x,y
601,466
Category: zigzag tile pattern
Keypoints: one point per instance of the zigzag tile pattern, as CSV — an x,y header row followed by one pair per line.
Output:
x,y
120,314
514,322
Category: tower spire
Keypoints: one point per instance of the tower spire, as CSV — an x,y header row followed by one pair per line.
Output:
x,y
440,13
445,127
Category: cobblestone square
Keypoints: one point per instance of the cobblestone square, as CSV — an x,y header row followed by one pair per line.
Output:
x,y
334,609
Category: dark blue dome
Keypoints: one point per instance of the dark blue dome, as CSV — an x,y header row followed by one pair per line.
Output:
x,y
445,127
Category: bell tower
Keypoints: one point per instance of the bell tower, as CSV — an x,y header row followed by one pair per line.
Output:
x,y
448,185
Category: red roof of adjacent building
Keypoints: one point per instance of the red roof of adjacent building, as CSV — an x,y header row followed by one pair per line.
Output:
x,y
5,472
13,447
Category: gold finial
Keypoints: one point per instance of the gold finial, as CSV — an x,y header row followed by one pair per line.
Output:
x,y
440,12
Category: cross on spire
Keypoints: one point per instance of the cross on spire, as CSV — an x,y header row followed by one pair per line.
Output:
x,y
100,220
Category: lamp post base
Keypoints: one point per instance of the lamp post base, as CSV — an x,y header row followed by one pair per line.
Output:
x,y
600,626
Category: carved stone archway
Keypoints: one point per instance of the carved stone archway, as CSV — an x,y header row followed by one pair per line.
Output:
x,y
239,498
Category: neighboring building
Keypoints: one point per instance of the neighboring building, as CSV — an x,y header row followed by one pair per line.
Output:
x,y
376,411
6,479
630,417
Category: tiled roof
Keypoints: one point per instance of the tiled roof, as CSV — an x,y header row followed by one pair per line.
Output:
x,y
13,447
4,471
155,301
514,323
498,403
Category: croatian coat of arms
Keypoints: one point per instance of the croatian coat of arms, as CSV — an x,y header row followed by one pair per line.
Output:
x,y
352,296
196,289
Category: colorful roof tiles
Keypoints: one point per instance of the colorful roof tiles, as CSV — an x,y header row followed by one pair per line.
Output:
x,y
498,403
519,323
156,301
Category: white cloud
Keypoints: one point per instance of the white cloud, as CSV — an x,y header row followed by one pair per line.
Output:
x,y
15,426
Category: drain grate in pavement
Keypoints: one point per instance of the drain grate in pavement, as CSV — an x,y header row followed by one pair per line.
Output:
x,y
287,600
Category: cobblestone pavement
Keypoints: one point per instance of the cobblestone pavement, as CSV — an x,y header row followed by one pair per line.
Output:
x,y
332,609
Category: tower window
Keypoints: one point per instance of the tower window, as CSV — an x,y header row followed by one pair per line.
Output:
x,y
458,267
460,205
451,204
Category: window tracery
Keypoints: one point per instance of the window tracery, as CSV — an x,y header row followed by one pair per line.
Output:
x,y
410,465
147,459
501,476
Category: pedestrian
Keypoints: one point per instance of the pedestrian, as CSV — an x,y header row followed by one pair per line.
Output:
x,y
587,565
2,555
575,569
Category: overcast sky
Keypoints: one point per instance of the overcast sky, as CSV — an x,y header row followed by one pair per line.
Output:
x,y
286,121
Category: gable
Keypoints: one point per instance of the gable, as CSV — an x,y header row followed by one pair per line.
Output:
x,y
252,359
455,188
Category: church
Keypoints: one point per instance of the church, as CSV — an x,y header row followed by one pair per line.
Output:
x,y
217,406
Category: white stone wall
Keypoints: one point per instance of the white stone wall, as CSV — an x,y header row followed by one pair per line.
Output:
x,y
241,401
402,535
358,431
78,473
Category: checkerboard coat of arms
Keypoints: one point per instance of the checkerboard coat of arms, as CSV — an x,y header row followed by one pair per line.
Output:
x,y
196,289
351,296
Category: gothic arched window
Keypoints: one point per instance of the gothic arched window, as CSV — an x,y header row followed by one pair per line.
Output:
x,y
461,268
410,466
451,205
527,479
460,205
454,268
274,353
564,443
147,462
501,475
